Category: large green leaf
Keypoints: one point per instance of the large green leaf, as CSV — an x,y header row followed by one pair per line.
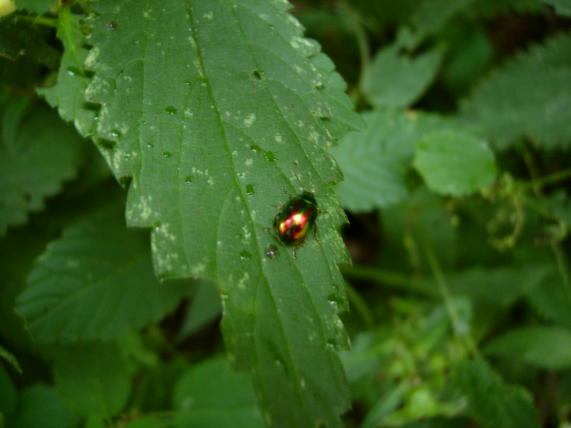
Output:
x,y
217,110
38,152
542,346
491,401
211,395
455,163
96,282
528,97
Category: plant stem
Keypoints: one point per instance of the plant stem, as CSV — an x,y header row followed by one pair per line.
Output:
x,y
447,298
362,42
550,179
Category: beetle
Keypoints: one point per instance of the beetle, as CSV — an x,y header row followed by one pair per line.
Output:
x,y
296,218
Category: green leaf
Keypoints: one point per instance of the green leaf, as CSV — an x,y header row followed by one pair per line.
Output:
x,y
40,406
43,155
8,394
541,112
204,308
431,15
96,282
375,162
92,378
68,92
154,392
552,299
542,346
10,358
492,402
397,80
454,163
216,110
212,395
469,53
562,7
26,244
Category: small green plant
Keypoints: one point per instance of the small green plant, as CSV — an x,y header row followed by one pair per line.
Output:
x,y
169,167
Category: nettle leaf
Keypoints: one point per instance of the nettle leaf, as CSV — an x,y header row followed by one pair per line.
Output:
x,y
211,394
454,163
542,346
491,401
375,162
398,80
541,112
96,282
36,157
92,378
216,111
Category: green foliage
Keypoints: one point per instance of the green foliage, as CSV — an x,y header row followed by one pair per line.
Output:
x,y
491,401
212,115
9,358
248,121
68,94
396,80
540,113
101,369
38,6
211,394
376,161
8,394
96,282
454,163
205,308
541,346
38,153
40,406
21,39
